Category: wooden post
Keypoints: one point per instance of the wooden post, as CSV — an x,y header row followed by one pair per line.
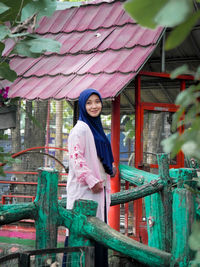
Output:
x,y
114,213
47,217
166,194
159,210
183,215
154,215
82,208
24,260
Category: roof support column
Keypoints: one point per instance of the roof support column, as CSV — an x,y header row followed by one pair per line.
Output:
x,y
138,119
114,213
138,154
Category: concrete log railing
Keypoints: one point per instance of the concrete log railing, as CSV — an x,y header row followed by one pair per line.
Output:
x,y
84,227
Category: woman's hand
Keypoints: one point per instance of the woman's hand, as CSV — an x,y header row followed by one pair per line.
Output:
x,y
97,188
114,170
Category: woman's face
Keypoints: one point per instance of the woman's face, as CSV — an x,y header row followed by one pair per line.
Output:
x,y
93,105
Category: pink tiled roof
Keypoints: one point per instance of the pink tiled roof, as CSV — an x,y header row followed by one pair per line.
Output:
x,y
102,48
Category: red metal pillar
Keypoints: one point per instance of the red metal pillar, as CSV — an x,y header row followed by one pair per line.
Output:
x,y
114,213
138,119
138,153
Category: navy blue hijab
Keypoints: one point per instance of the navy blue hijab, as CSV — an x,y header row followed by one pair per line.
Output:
x,y
102,143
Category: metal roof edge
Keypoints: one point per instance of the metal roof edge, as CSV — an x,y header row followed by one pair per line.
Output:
x,y
139,69
67,5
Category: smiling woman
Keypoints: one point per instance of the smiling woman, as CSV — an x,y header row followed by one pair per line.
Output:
x,y
90,162
93,105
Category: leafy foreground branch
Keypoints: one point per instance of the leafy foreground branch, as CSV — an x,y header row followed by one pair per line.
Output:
x,y
18,21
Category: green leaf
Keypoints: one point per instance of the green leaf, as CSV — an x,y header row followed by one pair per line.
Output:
x,y
178,35
2,46
4,31
144,11
19,34
179,71
39,7
13,12
2,173
34,46
184,98
41,45
194,239
168,15
197,74
7,73
189,148
3,8
172,144
23,48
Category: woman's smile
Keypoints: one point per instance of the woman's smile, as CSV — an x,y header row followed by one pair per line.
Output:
x,y
93,105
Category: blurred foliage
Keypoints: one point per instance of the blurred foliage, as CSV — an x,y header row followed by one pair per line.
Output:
x,y
188,117
18,21
129,127
67,114
181,16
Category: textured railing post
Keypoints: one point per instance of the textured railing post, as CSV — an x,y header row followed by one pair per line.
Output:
x,y
183,217
47,206
49,214
166,195
82,208
159,210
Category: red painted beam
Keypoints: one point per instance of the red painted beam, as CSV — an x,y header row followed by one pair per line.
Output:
x,y
15,196
22,172
165,75
25,183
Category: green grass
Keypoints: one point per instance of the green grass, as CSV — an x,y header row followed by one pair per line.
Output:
x,y
24,242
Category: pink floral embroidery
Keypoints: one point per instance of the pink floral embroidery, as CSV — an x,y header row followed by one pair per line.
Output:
x,y
78,161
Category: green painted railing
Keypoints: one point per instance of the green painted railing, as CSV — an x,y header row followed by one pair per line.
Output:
x,y
169,209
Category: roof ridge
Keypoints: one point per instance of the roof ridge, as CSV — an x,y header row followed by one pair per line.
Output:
x,y
90,30
89,51
75,73
99,2
72,4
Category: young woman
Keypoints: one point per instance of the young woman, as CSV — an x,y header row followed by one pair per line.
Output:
x,y
90,161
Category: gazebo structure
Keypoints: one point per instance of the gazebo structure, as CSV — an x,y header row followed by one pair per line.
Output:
x,y
105,49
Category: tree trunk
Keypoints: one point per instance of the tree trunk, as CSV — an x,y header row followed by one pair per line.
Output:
x,y
154,135
16,147
15,133
34,136
28,125
59,133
